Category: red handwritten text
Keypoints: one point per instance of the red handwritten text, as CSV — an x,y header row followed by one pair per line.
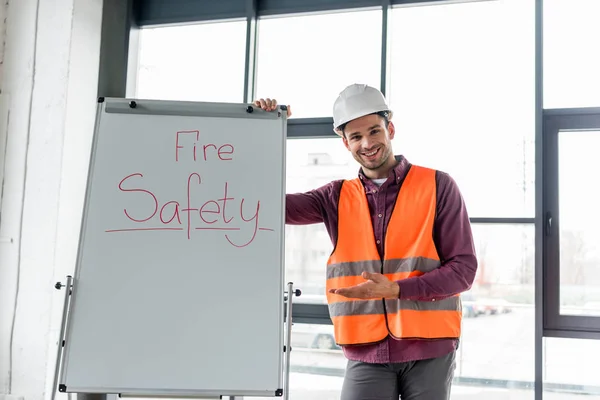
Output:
x,y
183,139
215,214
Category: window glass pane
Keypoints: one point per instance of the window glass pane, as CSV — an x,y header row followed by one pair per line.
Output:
x,y
312,163
571,369
571,53
306,61
579,221
202,62
462,91
500,309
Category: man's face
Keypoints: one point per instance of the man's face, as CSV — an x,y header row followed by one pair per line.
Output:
x,y
370,144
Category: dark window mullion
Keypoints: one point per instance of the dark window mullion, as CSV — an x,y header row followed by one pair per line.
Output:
x,y
385,7
251,50
551,228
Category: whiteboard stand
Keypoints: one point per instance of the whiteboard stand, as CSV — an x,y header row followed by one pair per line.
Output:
x,y
288,338
61,339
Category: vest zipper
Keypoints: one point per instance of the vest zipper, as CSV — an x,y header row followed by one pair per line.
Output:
x,y
385,316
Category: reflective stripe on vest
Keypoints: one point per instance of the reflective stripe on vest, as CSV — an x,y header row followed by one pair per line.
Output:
x,y
409,252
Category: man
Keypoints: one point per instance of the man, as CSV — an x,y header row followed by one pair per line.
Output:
x,y
403,252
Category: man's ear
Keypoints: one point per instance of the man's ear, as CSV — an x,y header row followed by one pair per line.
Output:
x,y
345,142
391,129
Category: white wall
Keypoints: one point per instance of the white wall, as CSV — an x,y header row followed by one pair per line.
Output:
x,y
49,83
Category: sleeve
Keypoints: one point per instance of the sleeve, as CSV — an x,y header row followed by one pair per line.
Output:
x,y
454,242
308,207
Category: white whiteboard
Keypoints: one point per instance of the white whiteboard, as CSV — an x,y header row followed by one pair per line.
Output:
x,y
179,285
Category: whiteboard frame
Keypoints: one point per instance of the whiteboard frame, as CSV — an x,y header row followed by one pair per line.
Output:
x,y
173,108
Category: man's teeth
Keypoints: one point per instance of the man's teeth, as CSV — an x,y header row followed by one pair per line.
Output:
x,y
371,153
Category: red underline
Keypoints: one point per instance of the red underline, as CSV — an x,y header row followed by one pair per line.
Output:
x,y
144,229
219,229
179,229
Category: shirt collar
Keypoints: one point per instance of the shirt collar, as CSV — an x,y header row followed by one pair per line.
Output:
x,y
397,174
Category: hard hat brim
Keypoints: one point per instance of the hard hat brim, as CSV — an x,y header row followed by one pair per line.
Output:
x,y
339,132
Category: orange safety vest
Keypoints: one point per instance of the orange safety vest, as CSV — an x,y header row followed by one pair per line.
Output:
x,y
409,251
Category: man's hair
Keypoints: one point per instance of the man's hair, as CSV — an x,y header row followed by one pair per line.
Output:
x,y
384,114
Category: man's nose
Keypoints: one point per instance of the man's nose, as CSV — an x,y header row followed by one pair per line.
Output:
x,y
367,142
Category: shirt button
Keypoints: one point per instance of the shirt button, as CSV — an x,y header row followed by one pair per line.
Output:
x,y
380,215
379,241
432,299
374,190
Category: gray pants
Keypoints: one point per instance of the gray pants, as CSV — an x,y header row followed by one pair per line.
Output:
x,y
415,380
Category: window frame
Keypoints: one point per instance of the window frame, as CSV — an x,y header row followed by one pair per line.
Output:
x,y
555,323
159,12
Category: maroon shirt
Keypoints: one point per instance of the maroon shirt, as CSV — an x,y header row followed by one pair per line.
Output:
x,y
452,237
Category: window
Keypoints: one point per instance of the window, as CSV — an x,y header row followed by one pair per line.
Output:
x,y
571,53
201,62
306,61
499,313
308,247
462,92
333,161
572,287
461,83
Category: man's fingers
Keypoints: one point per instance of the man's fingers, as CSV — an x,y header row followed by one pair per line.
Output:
x,y
353,292
341,291
346,292
375,277
267,104
371,276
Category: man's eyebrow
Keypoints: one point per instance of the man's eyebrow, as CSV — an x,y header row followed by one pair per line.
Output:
x,y
369,129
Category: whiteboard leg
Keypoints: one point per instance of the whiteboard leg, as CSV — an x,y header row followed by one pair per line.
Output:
x,y
288,339
57,371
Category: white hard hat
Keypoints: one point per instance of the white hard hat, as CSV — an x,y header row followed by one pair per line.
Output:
x,y
355,101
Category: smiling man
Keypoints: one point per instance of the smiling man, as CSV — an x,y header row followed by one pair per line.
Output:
x,y
403,253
